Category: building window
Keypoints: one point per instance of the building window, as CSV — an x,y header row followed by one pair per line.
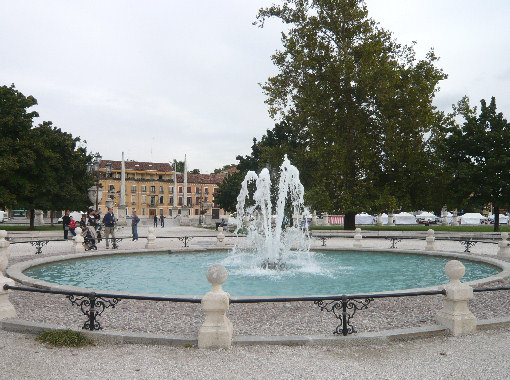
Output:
x,y
160,176
153,189
153,200
161,199
144,189
170,212
160,211
206,190
197,211
180,189
161,189
197,190
171,189
189,189
111,188
197,200
133,188
188,203
180,201
133,199
144,200
143,211
171,200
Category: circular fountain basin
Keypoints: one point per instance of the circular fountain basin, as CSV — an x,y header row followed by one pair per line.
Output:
x,y
329,272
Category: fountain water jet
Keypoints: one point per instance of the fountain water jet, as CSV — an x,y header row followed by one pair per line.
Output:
x,y
268,235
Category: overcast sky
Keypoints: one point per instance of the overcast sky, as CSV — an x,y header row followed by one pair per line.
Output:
x,y
160,79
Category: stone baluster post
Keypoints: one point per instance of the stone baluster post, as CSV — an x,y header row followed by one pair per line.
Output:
x,y
455,218
220,237
314,218
6,307
504,246
325,220
216,331
357,238
78,242
390,219
379,220
431,240
151,239
455,314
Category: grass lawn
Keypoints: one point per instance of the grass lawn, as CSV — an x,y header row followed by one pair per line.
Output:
x,y
419,227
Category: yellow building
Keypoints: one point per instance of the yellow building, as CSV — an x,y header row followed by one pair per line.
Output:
x,y
151,190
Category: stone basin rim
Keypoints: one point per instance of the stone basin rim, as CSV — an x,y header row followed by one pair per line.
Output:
x,y
15,271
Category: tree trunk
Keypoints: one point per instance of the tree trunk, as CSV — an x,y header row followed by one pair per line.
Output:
x,y
350,221
51,217
32,220
496,219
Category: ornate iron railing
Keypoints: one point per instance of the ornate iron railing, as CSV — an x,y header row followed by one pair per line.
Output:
x,y
344,307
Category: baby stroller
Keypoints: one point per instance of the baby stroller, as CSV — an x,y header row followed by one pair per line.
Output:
x,y
88,241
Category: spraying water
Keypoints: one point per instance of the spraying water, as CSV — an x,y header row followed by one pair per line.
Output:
x,y
275,234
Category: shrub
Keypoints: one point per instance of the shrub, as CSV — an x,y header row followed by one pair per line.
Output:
x,y
64,338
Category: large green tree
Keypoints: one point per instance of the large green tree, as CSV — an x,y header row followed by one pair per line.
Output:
x,y
41,167
361,102
476,157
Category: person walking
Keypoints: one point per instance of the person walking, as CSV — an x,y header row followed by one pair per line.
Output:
x,y
65,223
134,225
155,220
72,226
162,220
109,228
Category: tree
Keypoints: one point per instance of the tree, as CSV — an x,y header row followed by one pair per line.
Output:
x,y
477,156
47,168
228,190
361,102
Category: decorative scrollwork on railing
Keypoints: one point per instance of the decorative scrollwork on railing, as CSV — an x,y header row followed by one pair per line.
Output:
x,y
344,310
186,240
92,307
38,245
394,242
468,244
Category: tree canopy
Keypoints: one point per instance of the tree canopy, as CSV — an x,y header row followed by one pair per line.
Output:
x,y
41,167
358,103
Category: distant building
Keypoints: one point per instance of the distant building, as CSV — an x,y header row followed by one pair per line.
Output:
x,y
150,190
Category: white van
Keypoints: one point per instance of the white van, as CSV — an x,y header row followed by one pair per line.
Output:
x,y
75,214
2,216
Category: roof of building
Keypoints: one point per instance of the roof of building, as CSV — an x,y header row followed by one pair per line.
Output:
x,y
167,168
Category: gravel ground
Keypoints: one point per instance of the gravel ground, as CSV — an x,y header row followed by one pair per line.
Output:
x,y
479,356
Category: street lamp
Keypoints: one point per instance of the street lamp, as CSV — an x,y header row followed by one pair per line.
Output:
x,y
93,168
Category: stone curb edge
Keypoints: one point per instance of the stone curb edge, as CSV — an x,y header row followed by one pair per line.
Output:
x,y
18,326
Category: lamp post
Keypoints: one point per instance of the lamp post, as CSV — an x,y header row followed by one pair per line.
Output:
x,y
93,168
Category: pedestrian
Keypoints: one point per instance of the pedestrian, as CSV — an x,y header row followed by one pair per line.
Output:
x,y
83,222
65,223
162,220
109,228
92,224
155,220
134,225
72,225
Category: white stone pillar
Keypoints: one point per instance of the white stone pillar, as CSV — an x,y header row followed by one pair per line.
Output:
x,y
151,239
122,221
390,219
78,241
431,240
357,238
325,220
504,246
455,314
216,331
220,237
314,218
38,218
455,218
185,187
175,193
379,220
6,307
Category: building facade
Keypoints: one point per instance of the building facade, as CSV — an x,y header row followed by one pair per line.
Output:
x,y
151,189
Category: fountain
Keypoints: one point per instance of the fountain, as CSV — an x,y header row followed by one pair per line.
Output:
x,y
269,237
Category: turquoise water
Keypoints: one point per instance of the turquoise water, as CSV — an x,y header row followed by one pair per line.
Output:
x,y
321,273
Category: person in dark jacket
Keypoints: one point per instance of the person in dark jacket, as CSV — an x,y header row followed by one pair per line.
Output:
x,y
65,223
134,225
155,220
162,220
109,228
